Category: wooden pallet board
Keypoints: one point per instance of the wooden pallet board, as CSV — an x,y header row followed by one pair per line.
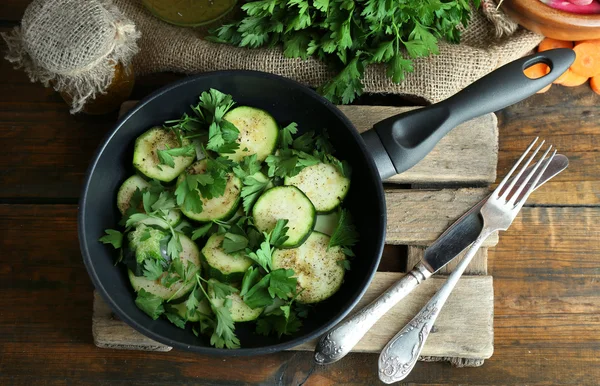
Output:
x,y
416,217
468,314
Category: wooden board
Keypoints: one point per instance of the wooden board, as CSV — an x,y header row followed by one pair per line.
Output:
x,y
464,328
467,155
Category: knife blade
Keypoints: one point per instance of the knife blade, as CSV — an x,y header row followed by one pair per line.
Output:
x,y
465,230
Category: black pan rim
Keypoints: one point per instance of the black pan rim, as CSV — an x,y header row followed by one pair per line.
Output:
x,y
207,350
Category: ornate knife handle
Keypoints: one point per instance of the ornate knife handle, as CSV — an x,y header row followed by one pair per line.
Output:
x,y
338,342
401,353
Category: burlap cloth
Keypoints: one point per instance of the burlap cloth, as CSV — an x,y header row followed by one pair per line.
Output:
x,y
490,41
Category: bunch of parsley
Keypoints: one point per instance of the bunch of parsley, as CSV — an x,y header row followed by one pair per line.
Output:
x,y
350,34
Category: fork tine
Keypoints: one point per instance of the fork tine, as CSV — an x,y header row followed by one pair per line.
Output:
x,y
545,162
508,190
500,186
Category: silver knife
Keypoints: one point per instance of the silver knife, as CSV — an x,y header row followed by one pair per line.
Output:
x,y
340,340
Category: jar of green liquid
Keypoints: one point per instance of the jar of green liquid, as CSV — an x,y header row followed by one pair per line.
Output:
x,y
189,13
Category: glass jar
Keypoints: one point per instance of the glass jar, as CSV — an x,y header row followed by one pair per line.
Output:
x,y
189,13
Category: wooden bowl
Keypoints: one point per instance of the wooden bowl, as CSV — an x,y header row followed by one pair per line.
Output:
x,y
553,23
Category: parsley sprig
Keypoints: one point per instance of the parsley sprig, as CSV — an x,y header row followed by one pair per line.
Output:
x,y
349,34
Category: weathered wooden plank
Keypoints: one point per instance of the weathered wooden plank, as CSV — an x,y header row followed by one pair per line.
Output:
x,y
468,154
110,332
477,266
464,328
418,217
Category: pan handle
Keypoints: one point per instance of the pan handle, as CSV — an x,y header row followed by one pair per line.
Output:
x,y
403,140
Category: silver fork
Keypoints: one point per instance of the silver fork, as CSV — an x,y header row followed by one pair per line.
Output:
x,y
400,355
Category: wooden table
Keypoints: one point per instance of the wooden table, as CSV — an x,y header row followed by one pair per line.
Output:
x,y
546,268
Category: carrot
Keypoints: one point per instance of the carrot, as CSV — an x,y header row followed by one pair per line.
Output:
x,y
536,71
544,89
571,79
587,60
549,44
595,84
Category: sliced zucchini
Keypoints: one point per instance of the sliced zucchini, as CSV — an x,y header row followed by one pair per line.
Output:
x,y
203,309
222,266
326,223
145,156
317,268
240,312
127,189
285,202
258,132
147,242
323,183
216,208
189,254
125,194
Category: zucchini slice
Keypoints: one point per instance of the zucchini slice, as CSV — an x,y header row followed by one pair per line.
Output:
x,y
258,133
222,266
323,183
125,194
317,268
145,156
326,223
216,208
190,254
285,202
240,312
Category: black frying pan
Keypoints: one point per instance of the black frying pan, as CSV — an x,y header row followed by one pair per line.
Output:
x,y
395,145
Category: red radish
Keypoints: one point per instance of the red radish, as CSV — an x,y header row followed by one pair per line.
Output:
x,y
581,2
591,8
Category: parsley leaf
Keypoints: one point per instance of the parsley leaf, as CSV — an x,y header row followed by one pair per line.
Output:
x,y
153,269
250,279
113,237
263,255
174,246
224,335
202,231
258,295
279,233
286,133
289,162
252,189
249,166
166,156
345,234
150,304
175,319
281,283
222,135
233,242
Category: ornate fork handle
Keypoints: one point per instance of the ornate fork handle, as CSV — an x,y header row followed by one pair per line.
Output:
x,y
338,342
400,355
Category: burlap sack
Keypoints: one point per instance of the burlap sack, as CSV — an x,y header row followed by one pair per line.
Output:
x,y
490,40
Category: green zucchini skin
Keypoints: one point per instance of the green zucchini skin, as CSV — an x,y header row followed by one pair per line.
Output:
x,y
145,156
190,253
323,184
240,312
285,202
317,268
259,133
217,208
